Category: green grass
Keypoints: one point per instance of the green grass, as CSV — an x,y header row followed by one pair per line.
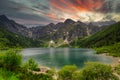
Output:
x,y
113,50
8,75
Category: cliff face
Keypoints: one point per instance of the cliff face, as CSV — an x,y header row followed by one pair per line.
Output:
x,y
68,29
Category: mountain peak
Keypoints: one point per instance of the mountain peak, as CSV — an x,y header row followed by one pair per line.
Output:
x,y
51,24
4,18
69,21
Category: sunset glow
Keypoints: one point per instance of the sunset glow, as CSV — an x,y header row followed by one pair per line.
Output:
x,y
47,11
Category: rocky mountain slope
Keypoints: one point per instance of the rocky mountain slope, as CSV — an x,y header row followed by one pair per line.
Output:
x,y
14,27
11,40
68,29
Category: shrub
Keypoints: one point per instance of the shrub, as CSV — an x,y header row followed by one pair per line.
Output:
x,y
95,71
66,72
31,64
77,75
12,60
98,71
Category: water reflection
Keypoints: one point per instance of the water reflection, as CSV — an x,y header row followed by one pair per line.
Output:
x,y
58,57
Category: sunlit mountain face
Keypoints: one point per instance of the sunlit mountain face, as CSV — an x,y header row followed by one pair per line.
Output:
x,y
47,11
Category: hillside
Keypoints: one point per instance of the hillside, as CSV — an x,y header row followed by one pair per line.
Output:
x,y
12,40
105,41
113,50
108,36
14,27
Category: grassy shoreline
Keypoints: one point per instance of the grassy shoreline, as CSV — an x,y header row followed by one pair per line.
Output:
x,y
12,64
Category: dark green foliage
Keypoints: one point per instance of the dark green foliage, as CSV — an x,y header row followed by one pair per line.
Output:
x,y
11,60
117,69
113,50
21,74
76,42
95,71
32,65
66,72
11,40
108,36
1,59
8,75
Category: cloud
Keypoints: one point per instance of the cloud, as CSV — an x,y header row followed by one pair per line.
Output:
x,y
76,5
77,9
86,10
46,11
27,12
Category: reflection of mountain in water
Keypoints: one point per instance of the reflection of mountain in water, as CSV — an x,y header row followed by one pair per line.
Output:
x,y
58,57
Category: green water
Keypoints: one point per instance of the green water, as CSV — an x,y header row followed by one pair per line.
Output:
x,y
58,57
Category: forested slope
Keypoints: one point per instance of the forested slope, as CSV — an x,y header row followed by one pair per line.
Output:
x,y
12,40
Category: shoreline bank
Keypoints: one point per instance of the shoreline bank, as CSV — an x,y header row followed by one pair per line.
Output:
x,y
116,59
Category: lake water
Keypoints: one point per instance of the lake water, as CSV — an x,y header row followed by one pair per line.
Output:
x,y
58,57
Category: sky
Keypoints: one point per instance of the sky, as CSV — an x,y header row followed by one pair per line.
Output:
x,y
43,12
